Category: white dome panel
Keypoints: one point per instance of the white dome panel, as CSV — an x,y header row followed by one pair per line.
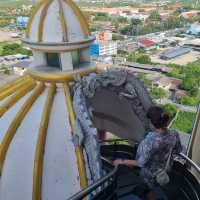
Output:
x,y
17,173
60,166
8,117
33,35
74,29
52,30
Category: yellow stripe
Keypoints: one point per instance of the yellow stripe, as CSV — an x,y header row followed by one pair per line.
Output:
x,y
63,23
79,14
60,78
42,19
79,150
14,88
12,83
29,25
11,101
39,153
16,123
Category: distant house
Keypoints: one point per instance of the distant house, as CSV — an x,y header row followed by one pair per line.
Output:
x,y
167,16
179,94
171,85
147,44
22,21
175,52
190,14
194,29
21,67
167,83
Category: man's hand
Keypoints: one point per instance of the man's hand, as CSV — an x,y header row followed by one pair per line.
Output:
x,y
117,162
129,163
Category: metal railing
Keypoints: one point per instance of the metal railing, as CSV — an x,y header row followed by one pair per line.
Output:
x,y
112,177
192,163
87,191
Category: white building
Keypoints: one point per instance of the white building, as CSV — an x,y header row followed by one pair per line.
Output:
x,y
108,48
104,46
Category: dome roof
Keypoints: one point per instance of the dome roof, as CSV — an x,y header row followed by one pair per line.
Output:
x,y
38,159
57,21
49,147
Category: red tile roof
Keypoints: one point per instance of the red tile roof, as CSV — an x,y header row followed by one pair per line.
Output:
x,y
180,94
146,42
192,14
169,81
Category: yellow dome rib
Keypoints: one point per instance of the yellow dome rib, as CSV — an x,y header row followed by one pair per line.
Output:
x,y
42,19
81,17
13,87
16,123
14,99
79,150
10,84
39,153
29,25
63,22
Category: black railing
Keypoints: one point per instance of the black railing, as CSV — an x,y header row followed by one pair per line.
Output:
x,y
191,163
109,178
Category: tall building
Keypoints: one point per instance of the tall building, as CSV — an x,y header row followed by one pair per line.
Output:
x,y
103,46
108,48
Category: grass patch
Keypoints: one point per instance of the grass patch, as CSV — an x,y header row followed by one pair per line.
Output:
x,y
184,122
1,47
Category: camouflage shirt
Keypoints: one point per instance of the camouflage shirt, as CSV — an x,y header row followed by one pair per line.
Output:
x,y
153,153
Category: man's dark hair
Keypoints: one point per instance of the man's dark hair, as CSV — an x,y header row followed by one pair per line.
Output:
x,y
158,117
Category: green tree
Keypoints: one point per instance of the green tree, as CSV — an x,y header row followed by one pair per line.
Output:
x,y
121,52
194,92
102,17
154,15
122,20
127,30
190,101
132,57
143,59
189,83
171,110
158,93
117,37
144,78
184,122
11,49
136,22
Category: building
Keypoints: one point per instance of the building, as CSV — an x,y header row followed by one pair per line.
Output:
x,y
175,52
194,29
147,44
103,36
22,21
167,83
189,14
171,85
103,46
179,94
107,48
